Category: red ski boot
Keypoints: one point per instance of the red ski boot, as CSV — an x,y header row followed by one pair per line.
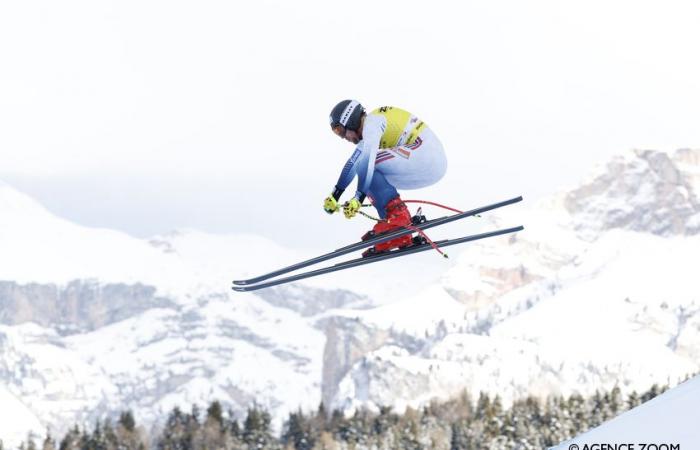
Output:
x,y
397,215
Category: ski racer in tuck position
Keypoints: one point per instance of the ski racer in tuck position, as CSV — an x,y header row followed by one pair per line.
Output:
x,y
394,150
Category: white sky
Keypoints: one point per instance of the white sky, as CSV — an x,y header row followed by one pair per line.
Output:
x,y
152,115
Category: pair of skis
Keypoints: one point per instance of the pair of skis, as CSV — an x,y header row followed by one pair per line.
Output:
x,y
261,282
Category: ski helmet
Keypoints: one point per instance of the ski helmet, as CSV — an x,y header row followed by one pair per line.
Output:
x,y
347,114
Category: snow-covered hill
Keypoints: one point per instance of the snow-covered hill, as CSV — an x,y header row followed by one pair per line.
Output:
x,y
667,421
599,290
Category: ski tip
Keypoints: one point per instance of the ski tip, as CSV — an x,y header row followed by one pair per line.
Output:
x,y
446,256
240,282
239,289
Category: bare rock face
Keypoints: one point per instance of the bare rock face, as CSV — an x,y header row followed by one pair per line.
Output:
x,y
309,301
648,191
78,307
504,279
347,341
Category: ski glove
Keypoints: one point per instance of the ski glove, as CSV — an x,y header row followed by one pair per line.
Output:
x,y
350,208
330,205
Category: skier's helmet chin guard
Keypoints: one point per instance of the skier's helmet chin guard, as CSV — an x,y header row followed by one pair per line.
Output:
x,y
347,114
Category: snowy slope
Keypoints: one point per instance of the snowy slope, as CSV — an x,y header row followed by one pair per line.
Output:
x,y
38,246
162,358
667,421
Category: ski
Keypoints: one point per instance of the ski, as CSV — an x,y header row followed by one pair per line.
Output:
x,y
376,258
375,240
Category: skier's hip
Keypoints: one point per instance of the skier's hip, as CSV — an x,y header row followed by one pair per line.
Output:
x,y
414,166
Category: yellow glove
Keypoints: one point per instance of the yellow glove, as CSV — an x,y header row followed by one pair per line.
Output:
x,y
350,208
330,205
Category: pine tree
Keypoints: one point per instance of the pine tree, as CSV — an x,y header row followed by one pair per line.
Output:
x,y
49,443
652,392
578,413
597,409
633,400
617,404
360,427
434,433
555,430
212,433
126,419
215,413
31,445
97,440
383,421
232,426
462,435
84,442
256,429
71,441
110,436
127,434
298,432
319,422
492,417
338,425
482,405
409,431
177,432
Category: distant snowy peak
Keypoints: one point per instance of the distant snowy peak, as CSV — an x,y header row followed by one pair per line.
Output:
x,y
17,208
645,191
642,190
218,249
40,247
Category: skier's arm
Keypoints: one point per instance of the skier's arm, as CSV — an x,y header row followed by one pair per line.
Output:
x,y
347,174
362,160
330,204
372,131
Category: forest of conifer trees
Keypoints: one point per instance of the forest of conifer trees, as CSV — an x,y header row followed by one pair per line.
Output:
x,y
460,423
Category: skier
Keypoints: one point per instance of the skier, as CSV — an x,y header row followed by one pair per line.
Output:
x,y
395,150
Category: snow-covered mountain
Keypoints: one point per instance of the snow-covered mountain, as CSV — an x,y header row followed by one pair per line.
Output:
x,y
599,290
94,321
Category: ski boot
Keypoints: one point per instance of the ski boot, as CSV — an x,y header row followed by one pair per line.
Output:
x,y
397,216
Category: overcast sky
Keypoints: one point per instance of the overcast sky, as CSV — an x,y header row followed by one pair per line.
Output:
x,y
152,115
